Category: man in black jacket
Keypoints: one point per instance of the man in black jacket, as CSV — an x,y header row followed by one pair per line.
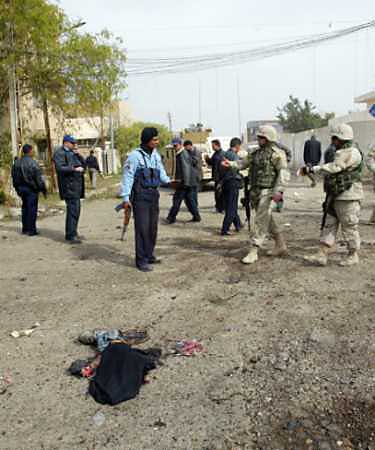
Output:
x,y
28,182
312,154
231,183
186,181
93,168
70,168
215,162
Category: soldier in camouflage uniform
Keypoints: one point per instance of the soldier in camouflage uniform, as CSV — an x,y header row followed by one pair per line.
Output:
x,y
344,195
370,163
267,169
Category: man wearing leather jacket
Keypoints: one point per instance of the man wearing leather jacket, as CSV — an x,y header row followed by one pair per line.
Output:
x,y
28,182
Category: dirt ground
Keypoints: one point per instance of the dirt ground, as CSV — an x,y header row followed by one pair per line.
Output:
x,y
289,359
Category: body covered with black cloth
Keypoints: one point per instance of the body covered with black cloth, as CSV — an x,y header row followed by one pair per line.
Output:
x,y
121,373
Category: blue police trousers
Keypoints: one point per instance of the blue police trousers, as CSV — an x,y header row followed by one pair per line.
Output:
x,y
73,211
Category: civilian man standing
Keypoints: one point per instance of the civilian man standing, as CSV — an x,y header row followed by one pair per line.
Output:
x,y
93,168
186,180
142,176
312,154
215,162
197,167
28,182
231,182
70,168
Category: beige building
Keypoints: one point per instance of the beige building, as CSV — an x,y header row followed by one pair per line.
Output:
x,y
86,130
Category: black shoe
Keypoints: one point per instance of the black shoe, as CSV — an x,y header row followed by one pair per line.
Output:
x,y
168,221
196,219
145,268
154,260
33,233
74,241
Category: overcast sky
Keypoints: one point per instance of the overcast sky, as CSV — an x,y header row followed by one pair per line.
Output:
x,y
329,75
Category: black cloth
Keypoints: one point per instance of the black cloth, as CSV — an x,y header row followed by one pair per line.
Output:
x,y
146,218
312,153
189,196
148,134
73,211
92,163
71,183
215,162
29,209
230,201
120,374
26,172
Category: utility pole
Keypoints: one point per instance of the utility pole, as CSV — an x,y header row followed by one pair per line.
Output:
x,y
239,105
199,101
169,115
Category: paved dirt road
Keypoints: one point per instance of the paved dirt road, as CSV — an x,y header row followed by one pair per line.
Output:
x,y
290,349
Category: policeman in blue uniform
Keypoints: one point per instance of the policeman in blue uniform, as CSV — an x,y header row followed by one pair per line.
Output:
x,y
143,174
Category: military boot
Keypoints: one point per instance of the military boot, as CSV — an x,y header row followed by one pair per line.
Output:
x,y
252,257
351,260
280,248
321,258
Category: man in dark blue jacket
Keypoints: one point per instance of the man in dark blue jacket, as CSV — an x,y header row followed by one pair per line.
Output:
x,y
215,162
70,168
231,182
28,182
312,154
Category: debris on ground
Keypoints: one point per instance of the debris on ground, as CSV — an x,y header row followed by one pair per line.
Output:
x,y
85,368
27,332
101,338
99,419
5,382
187,348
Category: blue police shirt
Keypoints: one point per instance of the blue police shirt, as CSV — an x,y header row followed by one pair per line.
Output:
x,y
135,161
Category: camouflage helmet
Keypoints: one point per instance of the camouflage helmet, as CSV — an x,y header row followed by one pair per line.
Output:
x,y
268,132
344,132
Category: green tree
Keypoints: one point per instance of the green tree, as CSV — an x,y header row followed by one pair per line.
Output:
x,y
97,74
295,116
34,49
128,138
66,72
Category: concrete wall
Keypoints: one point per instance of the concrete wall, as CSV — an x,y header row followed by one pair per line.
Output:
x,y
364,135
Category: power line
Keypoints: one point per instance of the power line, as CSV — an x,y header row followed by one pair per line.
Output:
x,y
210,27
184,64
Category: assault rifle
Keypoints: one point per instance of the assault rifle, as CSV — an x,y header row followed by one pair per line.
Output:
x,y
247,201
127,216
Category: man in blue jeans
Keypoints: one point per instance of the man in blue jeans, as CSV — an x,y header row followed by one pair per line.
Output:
x,y
28,182
231,183
70,169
